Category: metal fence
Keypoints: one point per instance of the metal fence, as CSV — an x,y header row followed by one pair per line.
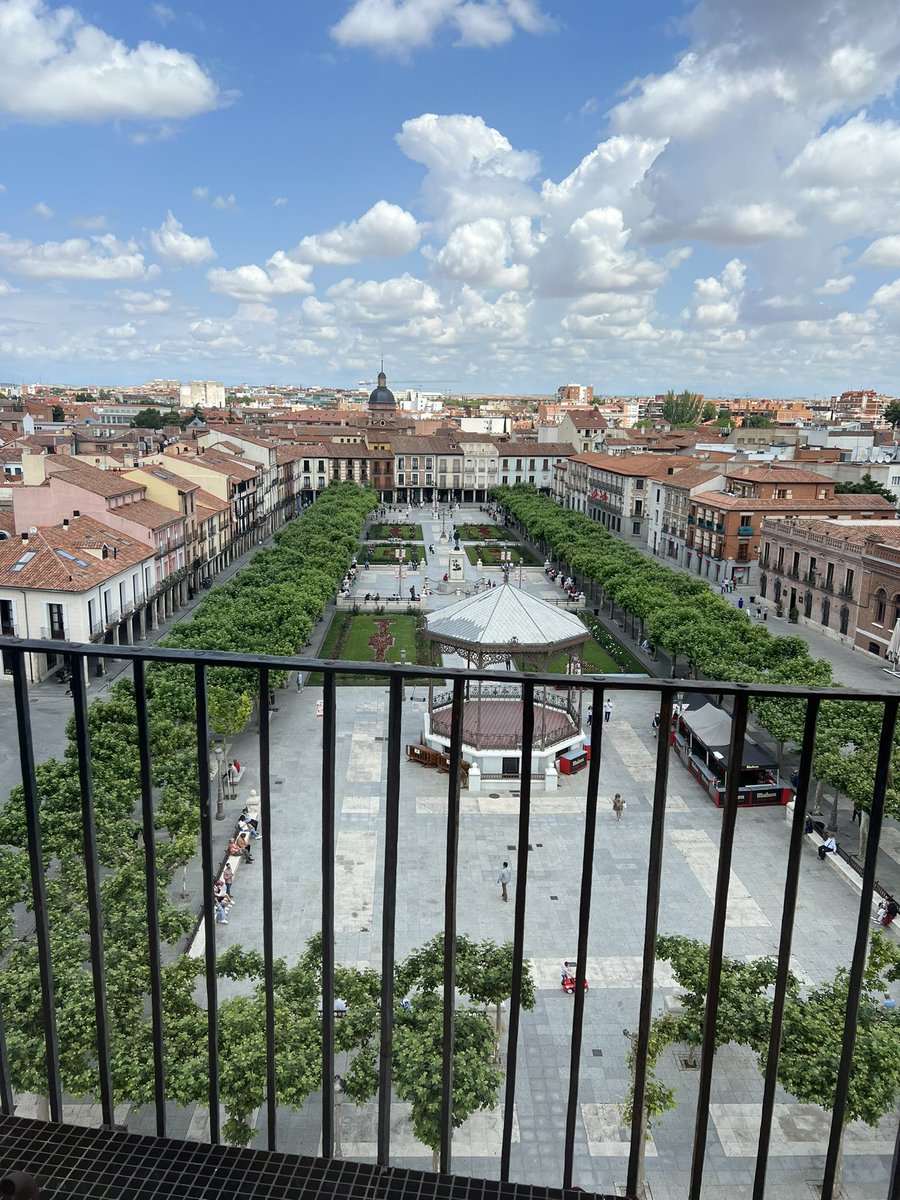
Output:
x,y
665,693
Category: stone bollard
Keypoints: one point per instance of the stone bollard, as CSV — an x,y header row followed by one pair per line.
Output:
x,y
253,803
550,780
474,780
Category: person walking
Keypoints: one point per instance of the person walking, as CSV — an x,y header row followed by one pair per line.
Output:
x,y
618,806
607,710
228,877
503,879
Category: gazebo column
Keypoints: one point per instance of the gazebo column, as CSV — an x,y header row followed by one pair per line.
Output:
x,y
478,709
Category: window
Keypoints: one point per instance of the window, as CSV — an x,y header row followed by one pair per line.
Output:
x,y
639,484
506,464
844,618
57,622
429,464
781,558
874,648
826,611
531,464
829,576
636,527
795,566
414,463
848,583
880,604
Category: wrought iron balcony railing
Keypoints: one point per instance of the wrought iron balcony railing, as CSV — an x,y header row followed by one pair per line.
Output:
x,y
663,694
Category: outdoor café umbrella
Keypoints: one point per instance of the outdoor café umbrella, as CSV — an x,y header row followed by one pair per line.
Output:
x,y
893,650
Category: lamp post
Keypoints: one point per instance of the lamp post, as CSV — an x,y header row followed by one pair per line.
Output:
x,y
219,752
403,664
848,749
338,1093
505,557
399,554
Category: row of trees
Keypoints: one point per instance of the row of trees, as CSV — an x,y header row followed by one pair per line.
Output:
x,y
813,1026
685,617
269,608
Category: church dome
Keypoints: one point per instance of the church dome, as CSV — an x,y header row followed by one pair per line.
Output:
x,y
382,397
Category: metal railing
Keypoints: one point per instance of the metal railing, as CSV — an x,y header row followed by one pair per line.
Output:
x,y
664,694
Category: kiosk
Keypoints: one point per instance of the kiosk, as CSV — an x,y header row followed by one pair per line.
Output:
x,y
702,740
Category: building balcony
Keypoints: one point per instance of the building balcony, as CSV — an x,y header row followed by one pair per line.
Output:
x,y
9,629
745,531
691,519
719,528
55,635
114,1164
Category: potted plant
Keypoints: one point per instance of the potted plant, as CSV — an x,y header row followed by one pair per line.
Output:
x,y
794,615
779,610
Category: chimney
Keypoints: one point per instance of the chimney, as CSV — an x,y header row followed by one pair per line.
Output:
x,y
65,522
24,537
76,513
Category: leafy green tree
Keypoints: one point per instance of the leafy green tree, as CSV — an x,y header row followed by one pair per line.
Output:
x,y
148,418
58,413
865,486
891,414
814,1029
709,412
757,421
682,411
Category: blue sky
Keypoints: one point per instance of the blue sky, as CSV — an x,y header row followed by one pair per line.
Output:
x,y
495,194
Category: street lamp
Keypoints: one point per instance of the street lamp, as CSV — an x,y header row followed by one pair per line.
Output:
x,y
338,1093
400,554
403,664
848,749
505,558
219,752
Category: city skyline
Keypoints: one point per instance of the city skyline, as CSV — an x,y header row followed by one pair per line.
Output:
x,y
499,196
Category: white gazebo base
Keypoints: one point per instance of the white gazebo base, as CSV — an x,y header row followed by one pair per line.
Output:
x,y
499,757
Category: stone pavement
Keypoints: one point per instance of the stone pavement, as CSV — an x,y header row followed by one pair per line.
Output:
x,y
488,833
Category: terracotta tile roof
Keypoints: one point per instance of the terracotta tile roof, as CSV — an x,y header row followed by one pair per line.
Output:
x,y
535,449
651,466
149,514
56,560
210,504
692,476
780,474
91,479
788,508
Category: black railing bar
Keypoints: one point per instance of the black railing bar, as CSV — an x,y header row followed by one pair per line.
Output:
x,y
515,995
209,916
38,889
618,683
329,727
92,878
450,882
268,923
717,945
152,895
651,929
389,918
894,1188
7,1104
788,912
861,944
584,920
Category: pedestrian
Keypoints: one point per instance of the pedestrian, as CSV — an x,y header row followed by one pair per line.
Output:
x,y
880,913
829,846
607,710
892,909
228,877
759,612
590,715
656,724
503,879
765,615
300,676
618,806
856,815
740,602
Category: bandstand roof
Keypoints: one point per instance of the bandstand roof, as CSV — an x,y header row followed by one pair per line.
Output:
x,y
504,618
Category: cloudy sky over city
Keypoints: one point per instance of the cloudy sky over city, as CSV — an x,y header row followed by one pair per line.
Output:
x,y
493,194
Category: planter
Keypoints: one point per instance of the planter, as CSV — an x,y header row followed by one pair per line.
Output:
x,y
794,616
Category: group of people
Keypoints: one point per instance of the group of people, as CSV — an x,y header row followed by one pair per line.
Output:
x,y
726,586
246,831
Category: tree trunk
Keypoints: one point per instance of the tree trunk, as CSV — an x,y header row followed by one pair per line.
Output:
x,y
817,802
863,835
641,1181
435,1162
838,1189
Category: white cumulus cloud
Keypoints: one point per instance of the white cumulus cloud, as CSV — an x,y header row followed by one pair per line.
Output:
x,y
103,257
43,210
175,246
280,277
54,66
883,253
145,303
398,26
225,203
385,231
717,301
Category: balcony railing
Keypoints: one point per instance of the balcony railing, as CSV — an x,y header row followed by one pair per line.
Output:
x,y
530,873
745,531
55,635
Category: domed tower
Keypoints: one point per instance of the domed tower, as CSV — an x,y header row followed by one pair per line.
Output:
x,y
381,400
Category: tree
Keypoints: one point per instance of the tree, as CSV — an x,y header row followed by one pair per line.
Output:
x,y
891,414
756,421
148,418
709,412
866,486
682,411
812,1036
58,414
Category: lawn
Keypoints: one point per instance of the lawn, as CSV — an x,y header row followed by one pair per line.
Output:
x,y
409,533
480,533
350,639
490,552
381,553
599,662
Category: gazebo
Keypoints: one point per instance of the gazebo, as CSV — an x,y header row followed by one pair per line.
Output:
x,y
508,626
